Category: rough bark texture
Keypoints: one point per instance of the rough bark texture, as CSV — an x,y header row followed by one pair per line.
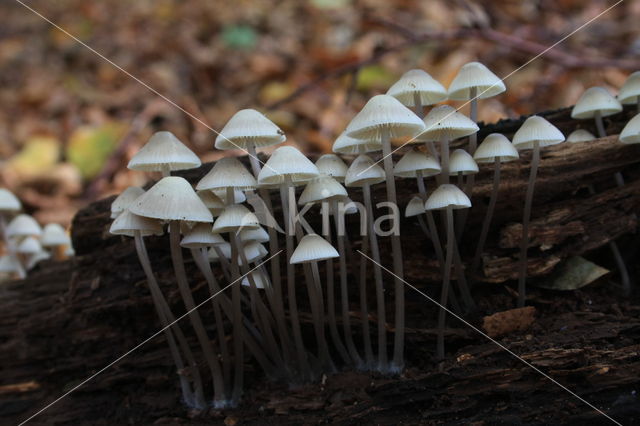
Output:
x,y
69,319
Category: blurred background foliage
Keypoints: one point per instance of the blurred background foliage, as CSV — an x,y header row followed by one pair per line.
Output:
x,y
69,120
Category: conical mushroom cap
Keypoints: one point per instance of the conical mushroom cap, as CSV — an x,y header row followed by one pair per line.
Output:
x,y
445,121
124,200
415,207
9,202
347,145
238,196
225,249
29,246
332,165
162,151
249,126
235,217
631,132
417,81
253,251
260,280
462,162
201,236
128,223
413,161
54,235
595,99
212,201
363,171
447,195
287,161
384,112
495,145
580,135
313,248
475,74
171,198
323,188
258,234
630,90
23,225
228,172
537,129
9,264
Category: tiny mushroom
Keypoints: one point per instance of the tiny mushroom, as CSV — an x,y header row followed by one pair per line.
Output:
x,y
596,103
164,153
124,199
630,91
580,135
332,165
55,238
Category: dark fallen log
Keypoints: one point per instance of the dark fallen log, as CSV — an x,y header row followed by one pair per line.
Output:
x,y
70,319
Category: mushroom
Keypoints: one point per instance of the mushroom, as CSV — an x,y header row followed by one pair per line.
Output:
x,y
312,249
446,197
496,149
130,225
173,200
164,153
55,238
382,118
580,135
630,134
10,265
535,133
328,191
415,208
596,103
27,249
286,168
332,165
124,199
363,173
9,204
630,91
417,89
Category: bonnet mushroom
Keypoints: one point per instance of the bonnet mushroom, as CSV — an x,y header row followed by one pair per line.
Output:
x,y
164,153
596,103
580,135
124,199
630,91
55,238
535,133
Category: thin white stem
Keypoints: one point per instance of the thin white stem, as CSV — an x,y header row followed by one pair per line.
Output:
x,y
524,242
445,283
486,223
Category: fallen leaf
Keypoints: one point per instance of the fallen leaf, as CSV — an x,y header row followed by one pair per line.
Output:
x,y
575,273
90,146
506,322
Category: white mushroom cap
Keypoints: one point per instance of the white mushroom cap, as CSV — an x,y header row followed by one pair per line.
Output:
x,y
313,248
36,258
212,201
254,251
631,132
363,170
384,111
537,129
235,217
413,161
201,236
29,245
128,223
415,207
287,161
323,188
260,280
249,126
447,195
9,202
162,151
475,74
462,162
445,121
630,90
258,234
171,198
347,145
124,200
54,235
417,81
238,196
9,264
332,165
595,99
495,145
228,172
580,135
225,249
23,225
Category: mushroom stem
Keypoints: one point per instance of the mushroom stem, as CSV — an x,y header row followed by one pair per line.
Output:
x,y
419,109
166,318
364,310
599,124
471,179
331,308
445,282
224,263
344,287
524,242
291,285
487,217
444,163
315,292
423,226
383,363
396,252
238,328
194,316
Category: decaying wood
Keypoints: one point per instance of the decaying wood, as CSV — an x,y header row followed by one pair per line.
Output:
x,y
69,319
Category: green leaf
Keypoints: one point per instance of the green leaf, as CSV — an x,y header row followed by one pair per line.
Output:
x,y
575,273
90,146
38,156
239,37
375,77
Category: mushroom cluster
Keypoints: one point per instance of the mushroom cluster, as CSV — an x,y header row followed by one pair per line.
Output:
x,y
301,302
